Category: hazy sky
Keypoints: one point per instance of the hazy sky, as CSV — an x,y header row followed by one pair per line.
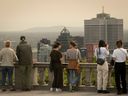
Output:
x,y
23,14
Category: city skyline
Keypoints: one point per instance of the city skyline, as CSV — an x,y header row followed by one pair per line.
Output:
x,y
18,15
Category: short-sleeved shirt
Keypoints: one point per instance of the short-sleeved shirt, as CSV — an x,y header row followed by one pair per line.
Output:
x,y
120,54
55,58
73,54
102,54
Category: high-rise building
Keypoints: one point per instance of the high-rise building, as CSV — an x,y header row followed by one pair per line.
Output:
x,y
64,38
103,27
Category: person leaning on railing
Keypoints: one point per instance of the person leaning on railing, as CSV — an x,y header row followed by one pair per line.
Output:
x,y
73,57
120,55
56,68
7,58
101,54
24,54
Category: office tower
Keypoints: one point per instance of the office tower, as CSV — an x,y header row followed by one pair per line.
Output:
x,y
103,27
64,38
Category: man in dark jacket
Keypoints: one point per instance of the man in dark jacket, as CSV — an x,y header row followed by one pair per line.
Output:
x,y
24,54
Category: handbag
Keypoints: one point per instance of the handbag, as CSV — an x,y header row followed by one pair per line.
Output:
x,y
100,61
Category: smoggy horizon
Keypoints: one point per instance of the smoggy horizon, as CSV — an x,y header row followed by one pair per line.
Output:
x,y
19,15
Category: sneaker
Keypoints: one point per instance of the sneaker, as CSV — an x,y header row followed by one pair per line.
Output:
x,y
58,90
27,89
124,92
119,92
51,89
4,90
105,91
99,91
12,89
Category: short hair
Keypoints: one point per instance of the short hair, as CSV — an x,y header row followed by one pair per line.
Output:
x,y
73,43
56,45
119,43
22,38
7,43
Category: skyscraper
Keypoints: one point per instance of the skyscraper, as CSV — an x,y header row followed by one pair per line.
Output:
x,y
103,27
64,38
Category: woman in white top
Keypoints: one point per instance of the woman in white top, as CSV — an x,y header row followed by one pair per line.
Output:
x,y
120,55
102,70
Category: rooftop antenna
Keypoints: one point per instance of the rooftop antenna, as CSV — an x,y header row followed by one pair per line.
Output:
x,y
102,9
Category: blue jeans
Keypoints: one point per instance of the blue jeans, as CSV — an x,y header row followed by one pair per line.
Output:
x,y
7,71
74,77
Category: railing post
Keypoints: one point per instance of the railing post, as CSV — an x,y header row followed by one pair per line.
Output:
x,y
88,76
95,74
50,77
109,76
35,76
41,72
81,75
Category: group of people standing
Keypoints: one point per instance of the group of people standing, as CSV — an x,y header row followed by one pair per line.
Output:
x,y
22,57
119,58
73,57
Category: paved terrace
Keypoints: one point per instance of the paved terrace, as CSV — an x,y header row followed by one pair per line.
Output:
x,y
42,89
47,93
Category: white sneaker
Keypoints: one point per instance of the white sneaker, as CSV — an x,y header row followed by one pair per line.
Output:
x,y
51,89
58,90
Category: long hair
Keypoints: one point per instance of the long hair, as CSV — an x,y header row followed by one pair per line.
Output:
x,y
101,44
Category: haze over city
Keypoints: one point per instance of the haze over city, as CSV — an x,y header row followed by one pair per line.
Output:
x,y
18,15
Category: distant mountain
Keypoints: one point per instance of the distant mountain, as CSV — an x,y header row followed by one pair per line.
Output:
x,y
53,32
35,34
57,29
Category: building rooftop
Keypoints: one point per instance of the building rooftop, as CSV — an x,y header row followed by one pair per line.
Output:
x,y
65,30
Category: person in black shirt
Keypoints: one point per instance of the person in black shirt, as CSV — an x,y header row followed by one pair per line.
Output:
x,y
56,67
